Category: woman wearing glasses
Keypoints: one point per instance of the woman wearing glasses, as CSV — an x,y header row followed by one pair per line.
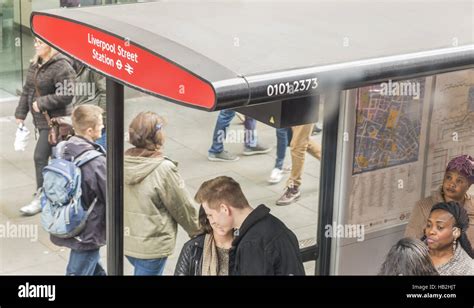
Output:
x,y
48,70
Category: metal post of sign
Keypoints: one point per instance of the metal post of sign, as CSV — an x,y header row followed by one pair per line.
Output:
x,y
328,179
115,132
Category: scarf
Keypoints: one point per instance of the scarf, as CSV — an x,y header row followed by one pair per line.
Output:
x,y
463,164
210,263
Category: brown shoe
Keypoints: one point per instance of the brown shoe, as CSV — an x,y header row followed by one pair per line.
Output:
x,y
291,194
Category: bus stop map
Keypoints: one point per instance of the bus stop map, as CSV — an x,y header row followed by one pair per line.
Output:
x,y
388,125
386,184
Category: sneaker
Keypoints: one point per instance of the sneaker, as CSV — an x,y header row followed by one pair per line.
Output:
x,y
316,129
291,194
34,207
222,156
275,176
258,149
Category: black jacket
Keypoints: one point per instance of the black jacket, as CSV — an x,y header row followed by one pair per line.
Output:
x,y
94,177
264,246
57,71
190,259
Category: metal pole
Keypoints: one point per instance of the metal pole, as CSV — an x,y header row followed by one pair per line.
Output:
x,y
115,132
328,180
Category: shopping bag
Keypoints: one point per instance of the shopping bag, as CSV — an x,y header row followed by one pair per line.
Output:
x,y
21,138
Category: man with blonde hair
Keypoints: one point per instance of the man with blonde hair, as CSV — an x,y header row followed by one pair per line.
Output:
x,y
84,258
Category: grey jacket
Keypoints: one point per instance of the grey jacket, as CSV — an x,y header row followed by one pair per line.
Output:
x,y
48,76
155,202
86,81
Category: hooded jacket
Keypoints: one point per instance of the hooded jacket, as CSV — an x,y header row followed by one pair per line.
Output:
x,y
155,201
264,246
94,178
48,77
90,80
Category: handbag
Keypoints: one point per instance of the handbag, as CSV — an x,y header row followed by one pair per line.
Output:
x,y
60,128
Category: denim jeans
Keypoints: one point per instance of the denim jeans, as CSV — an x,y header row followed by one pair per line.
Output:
x,y
283,140
148,267
220,131
84,263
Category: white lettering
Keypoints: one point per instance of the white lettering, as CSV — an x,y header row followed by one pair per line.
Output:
x,y
101,44
133,56
46,291
400,89
102,57
75,89
12,230
345,231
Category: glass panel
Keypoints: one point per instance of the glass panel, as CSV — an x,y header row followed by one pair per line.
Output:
x,y
188,138
10,48
401,136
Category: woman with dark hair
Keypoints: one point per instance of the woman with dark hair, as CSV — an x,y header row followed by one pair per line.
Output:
x,y
155,198
446,237
207,254
459,176
408,257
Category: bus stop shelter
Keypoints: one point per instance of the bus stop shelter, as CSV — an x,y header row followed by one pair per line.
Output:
x,y
268,60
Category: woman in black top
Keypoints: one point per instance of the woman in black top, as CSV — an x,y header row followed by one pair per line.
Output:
x,y
206,254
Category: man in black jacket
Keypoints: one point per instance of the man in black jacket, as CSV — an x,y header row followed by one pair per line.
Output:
x,y
263,245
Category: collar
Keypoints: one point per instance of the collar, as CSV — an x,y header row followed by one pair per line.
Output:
x,y
255,216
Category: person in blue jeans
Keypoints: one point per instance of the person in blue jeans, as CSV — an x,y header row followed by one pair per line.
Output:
x,y
217,152
85,263
283,140
147,267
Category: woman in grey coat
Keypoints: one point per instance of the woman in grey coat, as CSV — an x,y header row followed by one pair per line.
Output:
x,y
48,71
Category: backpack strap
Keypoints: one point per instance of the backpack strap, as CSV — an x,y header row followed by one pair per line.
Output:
x,y
86,157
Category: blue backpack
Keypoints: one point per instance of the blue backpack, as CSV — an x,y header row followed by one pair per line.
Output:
x,y
62,212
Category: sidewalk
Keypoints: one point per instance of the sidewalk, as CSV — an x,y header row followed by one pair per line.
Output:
x,y
188,137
